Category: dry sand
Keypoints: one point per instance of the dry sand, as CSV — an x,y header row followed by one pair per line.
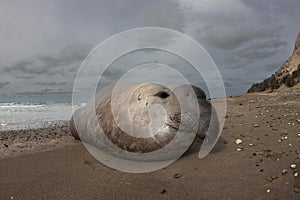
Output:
x,y
58,167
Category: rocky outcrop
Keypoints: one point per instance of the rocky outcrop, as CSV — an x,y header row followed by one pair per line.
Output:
x,y
287,76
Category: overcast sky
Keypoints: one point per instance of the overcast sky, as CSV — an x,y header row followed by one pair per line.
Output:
x,y
42,43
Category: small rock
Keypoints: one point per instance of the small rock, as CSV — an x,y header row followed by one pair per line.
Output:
x,y
176,176
296,174
274,177
256,125
296,189
163,191
86,162
268,190
269,179
251,145
239,149
238,141
285,171
293,166
298,134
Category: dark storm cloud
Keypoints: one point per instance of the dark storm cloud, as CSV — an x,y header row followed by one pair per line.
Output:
x,y
51,83
70,56
4,83
27,77
259,49
229,37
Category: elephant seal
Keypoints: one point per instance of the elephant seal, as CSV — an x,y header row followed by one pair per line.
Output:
x,y
143,118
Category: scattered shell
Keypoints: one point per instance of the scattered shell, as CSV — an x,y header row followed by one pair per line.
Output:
x,y
298,134
284,138
238,141
239,149
176,176
296,174
268,190
293,166
256,125
285,171
251,145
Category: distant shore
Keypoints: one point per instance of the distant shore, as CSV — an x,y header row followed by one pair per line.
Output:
x,y
257,157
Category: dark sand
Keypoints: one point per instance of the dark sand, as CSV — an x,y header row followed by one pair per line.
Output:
x,y
65,170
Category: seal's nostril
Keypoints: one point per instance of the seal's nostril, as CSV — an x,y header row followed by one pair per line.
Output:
x,y
162,95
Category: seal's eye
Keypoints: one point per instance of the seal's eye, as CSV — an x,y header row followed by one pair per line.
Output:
x,y
162,95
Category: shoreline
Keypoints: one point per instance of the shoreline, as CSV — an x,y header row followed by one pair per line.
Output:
x,y
20,142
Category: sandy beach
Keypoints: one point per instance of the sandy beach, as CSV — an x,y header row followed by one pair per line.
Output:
x,y
265,164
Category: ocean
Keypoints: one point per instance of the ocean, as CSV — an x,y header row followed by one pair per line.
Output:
x,y
15,116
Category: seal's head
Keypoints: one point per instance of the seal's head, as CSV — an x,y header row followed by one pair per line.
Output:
x,y
149,117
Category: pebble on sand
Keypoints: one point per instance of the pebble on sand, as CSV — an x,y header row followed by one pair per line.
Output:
x,y
272,178
296,189
285,171
293,166
176,176
239,149
238,141
163,191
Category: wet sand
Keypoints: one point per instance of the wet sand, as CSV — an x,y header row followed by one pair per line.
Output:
x,y
260,167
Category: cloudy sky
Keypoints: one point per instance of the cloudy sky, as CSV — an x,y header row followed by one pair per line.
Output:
x,y
42,43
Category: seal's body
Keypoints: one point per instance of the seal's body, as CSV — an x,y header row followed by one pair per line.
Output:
x,y
143,118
